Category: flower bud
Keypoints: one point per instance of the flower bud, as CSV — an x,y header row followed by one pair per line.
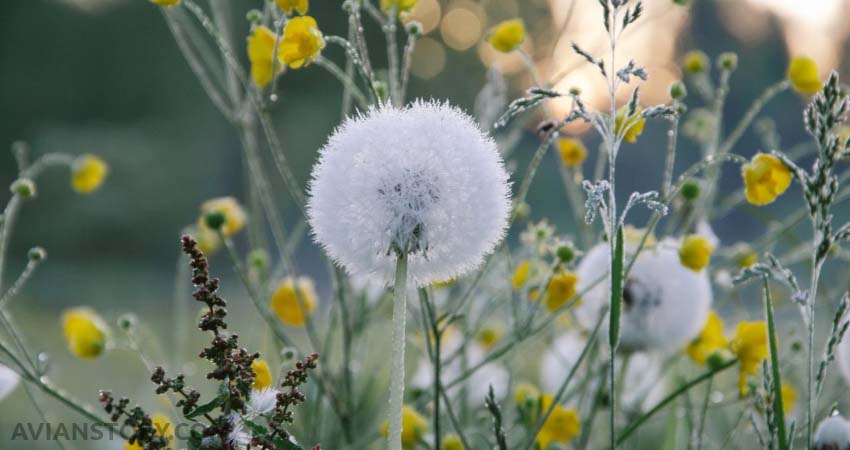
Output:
x,y
126,322
215,220
728,61
565,253
36,254
24,188
254,16
414,28
690,190
678,90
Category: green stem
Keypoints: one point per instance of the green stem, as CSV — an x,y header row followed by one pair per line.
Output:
x,y
398,343
778,407
675,394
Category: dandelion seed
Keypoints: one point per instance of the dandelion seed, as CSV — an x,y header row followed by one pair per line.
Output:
x,y
163,426
413,426
833,433
664,304
710,340
695,252
293,300
507,36
262,375
750,347
85,332
9,380
289,6
572,151
804,76
261,55
422,178
88,173
765,179
227,208
301,42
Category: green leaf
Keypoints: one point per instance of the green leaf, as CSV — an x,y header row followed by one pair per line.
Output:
x,y
207,407
194,442
616,290
256,429
778,407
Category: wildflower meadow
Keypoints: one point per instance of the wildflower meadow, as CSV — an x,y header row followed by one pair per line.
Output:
x,y
425,225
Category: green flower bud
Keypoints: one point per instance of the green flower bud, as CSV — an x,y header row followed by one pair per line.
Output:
x,y
728,60
522,211
414,28
36,254
565,253
690,190
254,16
678,90
24,188
127,322
215,220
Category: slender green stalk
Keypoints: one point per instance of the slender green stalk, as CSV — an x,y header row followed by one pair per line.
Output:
x,y
778,407
810,334
347,83
632,427
398,343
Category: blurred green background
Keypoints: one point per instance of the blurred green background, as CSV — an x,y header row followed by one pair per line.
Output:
x,y
105,77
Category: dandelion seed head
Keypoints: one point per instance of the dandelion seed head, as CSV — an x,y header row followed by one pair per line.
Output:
x,y
423,179
833,433
665,304
262,401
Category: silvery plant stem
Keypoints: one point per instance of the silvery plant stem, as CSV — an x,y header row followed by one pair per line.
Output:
x,y
398,342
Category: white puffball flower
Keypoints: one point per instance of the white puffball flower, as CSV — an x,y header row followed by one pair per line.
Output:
x,y
833,433
664,304
9,380
262,402
422,178
477,385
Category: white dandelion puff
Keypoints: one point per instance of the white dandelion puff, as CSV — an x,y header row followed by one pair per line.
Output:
x,y
833,433
476,386
664,304
9,380
262,402
238,438
423,178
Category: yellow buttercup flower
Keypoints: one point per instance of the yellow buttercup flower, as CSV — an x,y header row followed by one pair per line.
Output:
x,y
709,341
789,398
413,426
804,76
261,56
402,5
695,61
288,306
302,42
262,374
695,252
750,347
163,427
165,2
234,215
766,177
87,173
560,290
561,426
521,274
288,6
452,442
208,240
489,336
747,259
85,332
633,126
525,392
572,151
507,36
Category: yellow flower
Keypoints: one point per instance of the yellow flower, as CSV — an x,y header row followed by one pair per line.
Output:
x,y
452,442
572,152
87,173
165,2
709,341
765,178
261,56
750,347
803,74
234,215
695,61
288,6
302,42
695,252
634,124
208,240
521,274
84,332
507,36
489,336
402,5
560,290
525,392
413,426
747,259
262,374
561,426
163,427
288,306
789,398
633,235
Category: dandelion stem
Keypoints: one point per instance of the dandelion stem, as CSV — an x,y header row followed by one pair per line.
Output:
x,y
398,343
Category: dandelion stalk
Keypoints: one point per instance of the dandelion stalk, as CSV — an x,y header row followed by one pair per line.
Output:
x,y
398,343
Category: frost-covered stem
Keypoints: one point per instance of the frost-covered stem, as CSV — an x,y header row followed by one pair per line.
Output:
x,y
19,283
613,223
772,91
398,342
670,161
7,222
407,61
347,83
817,264
390,30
